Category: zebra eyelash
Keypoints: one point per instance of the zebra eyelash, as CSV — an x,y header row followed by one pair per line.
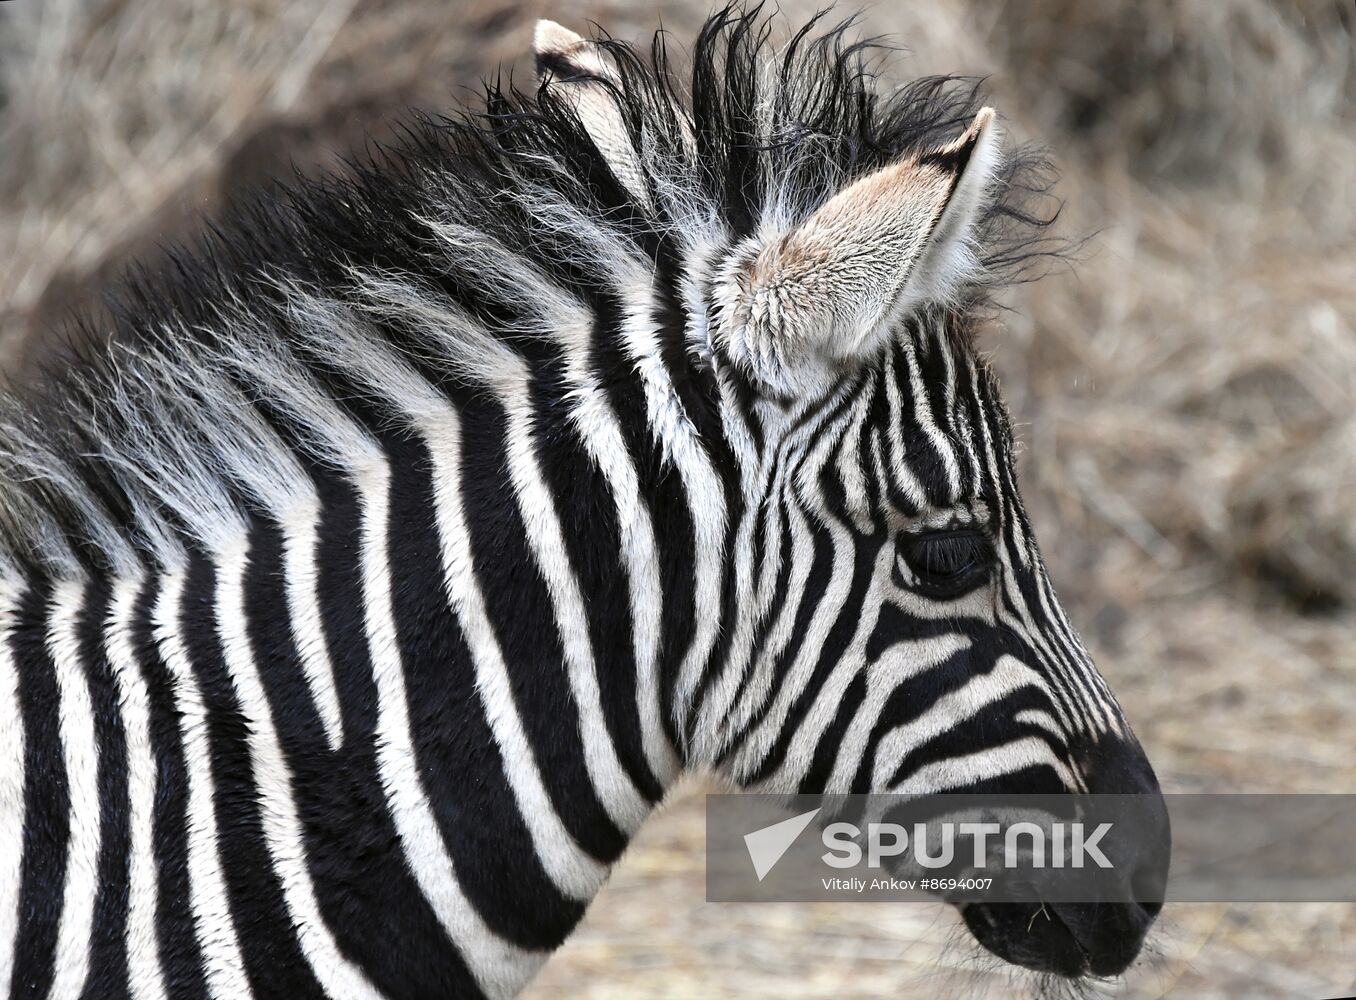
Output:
x,y
947,564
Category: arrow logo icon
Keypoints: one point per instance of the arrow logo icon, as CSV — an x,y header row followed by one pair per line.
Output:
x,y
766,846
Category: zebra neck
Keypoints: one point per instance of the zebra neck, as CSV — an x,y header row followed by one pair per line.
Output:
x,y
396,705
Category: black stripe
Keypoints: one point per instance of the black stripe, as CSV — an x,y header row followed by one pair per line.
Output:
x,y
933,372
890,419
272,956
1027,653
464,775
731,597
913,697
46,801
588,518
661,491
180,954
831,740
781,594
989,727
699,395
367,894
978,733
107,975
839,636
816,585
921,453
794,453
519,608
868,439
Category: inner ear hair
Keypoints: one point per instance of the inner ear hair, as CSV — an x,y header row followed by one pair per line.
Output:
x,y
948,261
833,287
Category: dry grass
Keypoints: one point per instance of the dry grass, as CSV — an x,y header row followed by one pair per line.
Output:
x,y
1186,394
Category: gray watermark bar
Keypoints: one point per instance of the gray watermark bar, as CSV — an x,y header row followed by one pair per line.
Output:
x,y
1031,848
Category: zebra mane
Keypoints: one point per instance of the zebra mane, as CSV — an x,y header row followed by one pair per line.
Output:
x,y
448,259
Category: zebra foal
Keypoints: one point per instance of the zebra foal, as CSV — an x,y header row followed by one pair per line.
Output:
x,y
395,549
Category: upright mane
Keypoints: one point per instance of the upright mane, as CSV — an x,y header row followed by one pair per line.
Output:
x,y
449,258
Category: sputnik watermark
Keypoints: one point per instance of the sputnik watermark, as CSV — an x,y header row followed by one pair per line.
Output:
x,y
933,845
1023,844
991,848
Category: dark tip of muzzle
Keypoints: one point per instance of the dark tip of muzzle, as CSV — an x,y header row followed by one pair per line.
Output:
x,y
1110,935
1100,938
1068,939
1028,935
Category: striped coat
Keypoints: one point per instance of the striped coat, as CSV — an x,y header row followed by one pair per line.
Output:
x,y
392,551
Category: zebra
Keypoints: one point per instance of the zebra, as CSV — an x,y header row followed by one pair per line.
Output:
x,y
372,567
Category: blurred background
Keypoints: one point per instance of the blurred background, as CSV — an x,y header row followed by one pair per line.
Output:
x,y
1185,395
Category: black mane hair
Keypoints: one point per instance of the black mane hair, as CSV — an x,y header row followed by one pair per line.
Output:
x,y
75,446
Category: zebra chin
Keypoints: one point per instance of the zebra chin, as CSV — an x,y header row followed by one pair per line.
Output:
x,y
1072,940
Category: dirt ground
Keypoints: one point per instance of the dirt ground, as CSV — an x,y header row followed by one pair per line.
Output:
x,y
1185,393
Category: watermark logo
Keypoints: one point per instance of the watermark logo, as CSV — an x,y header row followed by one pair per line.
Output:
x,y
769,845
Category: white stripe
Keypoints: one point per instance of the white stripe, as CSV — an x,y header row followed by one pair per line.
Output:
x,y
500,968
800,492
598,428
903,475
774,643
1022,628
851,461
824,615
950,712
680,443
301,542
573,871
991,762
339,977
144,974
76,723
1075,659
897,664
11,786
624,805
222,963
714,728
922,411
851,661
706,504
1044,720
669,425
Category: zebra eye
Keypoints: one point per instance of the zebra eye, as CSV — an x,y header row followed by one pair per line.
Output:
x,y
948,563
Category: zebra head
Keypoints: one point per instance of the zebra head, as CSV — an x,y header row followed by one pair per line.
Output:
x,y
885,622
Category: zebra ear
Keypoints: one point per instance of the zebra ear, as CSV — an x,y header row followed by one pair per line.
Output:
x,y
576,70
831,288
